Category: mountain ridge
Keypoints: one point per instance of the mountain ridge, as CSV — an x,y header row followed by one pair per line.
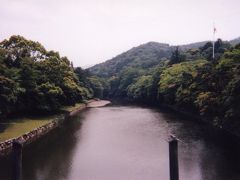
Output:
x,y
145,55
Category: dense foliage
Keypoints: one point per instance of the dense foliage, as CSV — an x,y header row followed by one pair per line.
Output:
x,y
144,56
187,79
34,79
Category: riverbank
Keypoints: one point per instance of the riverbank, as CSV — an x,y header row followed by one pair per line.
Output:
x,y
28,135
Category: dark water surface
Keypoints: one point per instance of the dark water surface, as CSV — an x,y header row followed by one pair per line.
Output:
x,y
127,143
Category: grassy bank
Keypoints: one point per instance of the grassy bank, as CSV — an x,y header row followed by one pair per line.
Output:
x,y
17,126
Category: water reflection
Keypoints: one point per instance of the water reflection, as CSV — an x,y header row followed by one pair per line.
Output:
x,y
49,158
127,143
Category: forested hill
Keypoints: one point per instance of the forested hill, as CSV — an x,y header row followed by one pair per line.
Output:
x,y
197,45
144,56
235,41
189,80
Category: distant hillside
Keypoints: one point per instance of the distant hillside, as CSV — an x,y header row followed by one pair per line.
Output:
x,y
234,42
193,45
144,56
196,45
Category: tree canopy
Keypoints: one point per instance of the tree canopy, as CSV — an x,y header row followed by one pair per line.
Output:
x,y
34,79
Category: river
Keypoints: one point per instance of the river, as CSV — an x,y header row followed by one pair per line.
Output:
x,y
128,143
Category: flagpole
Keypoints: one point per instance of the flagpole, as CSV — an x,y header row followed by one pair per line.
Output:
x,y
213,56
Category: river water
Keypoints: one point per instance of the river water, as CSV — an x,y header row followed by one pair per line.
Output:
x,y
128,143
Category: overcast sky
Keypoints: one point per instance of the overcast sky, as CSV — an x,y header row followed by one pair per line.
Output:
x,y
92,31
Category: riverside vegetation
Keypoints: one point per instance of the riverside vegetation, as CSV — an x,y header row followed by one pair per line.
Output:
x,y
185,77
33,79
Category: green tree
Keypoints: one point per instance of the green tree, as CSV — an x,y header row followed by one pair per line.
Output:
x,y
33,78
141,89
176,56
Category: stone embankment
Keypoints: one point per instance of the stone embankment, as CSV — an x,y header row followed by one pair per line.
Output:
x,y
6,146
